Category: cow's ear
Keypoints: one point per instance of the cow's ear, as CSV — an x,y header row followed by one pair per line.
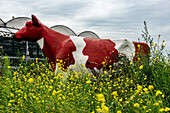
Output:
x,y
35,20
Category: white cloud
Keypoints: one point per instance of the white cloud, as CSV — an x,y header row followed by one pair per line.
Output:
x,y
107,18
101,9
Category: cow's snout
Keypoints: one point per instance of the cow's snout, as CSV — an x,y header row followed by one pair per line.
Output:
x,y
13,36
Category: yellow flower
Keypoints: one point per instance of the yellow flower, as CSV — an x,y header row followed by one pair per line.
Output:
x,y
156,104
119,111
23,57
9,104
138,46
30,80
114,93
36,60
12,101
136,105
159,36
139,87
141,67
162,109
163,96
120,100
50,88
51,81
144,107
158,92
110,76
152,44
11,94
99,110
167,109
88,82
25,97
163,46
54,92
150,87
105,72
100,97
105,109
159,101
146,90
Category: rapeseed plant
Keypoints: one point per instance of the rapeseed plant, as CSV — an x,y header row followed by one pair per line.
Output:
x,y
136,105
33,87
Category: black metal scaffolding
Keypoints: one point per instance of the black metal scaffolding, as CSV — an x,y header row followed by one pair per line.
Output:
x,y
12,47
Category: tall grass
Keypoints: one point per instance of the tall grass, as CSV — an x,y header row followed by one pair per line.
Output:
x,y
130,87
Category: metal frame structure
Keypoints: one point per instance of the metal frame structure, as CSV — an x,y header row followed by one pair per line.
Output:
x,y
13,49
89,34
64,30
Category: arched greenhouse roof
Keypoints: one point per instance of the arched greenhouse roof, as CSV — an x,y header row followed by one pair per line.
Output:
x,y
15,24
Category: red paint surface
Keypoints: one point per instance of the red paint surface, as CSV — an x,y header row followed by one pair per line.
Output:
x,y
141,51
99,51
29,32
56,45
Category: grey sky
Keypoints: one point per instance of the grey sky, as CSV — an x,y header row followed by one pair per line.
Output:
x,y
108,18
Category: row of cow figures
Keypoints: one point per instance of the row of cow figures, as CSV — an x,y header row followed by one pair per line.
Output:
x,y
95,53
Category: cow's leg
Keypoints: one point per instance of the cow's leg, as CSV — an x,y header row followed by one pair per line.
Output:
x,y
94,73
58,70
121,58
123,64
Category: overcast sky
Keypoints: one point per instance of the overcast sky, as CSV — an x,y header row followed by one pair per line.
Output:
x,y
107,18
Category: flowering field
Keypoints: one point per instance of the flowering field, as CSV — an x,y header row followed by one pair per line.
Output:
x,y
129,87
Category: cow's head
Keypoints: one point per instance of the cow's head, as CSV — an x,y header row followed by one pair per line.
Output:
x,y
31,31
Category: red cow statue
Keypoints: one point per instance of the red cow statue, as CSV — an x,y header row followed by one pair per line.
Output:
x,y
93,52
